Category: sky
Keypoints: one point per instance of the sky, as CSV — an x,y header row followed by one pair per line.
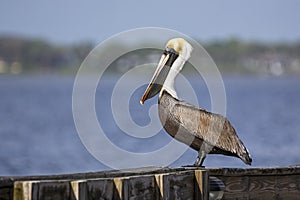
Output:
x,y
72,21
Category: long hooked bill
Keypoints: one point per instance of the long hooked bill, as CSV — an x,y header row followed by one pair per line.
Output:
x,y
158,79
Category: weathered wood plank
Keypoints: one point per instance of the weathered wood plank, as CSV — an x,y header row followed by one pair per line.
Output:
x,y
251,183
94,189
178,185
262,187
291,170
260,183
8,181
58,190
235,187
141,187
6,193
47,190
104,189
288,187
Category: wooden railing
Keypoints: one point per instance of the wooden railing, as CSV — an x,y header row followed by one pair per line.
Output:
x,y
156,183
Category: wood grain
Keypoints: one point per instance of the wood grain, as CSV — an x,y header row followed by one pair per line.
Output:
x,y
260,183
156,183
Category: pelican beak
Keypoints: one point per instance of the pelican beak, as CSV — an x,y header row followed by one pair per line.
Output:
x,y
160,75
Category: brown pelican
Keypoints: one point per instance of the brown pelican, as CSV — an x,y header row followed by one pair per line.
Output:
x,y
205,132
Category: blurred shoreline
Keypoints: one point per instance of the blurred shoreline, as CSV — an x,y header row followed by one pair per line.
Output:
x,y
34,56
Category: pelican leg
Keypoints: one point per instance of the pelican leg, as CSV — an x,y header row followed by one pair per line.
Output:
x,y
200,158
205,149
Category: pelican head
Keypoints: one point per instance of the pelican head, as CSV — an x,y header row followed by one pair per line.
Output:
x,y
177,52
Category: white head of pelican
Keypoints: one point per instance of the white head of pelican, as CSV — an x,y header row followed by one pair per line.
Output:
x,y
177,52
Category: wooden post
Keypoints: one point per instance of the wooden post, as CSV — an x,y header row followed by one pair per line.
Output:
x,y
183,185
58,190
78,190
33,190
94,189
23,190
140,187
201,184
159,181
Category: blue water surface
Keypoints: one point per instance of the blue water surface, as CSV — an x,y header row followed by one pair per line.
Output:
x,y
38,134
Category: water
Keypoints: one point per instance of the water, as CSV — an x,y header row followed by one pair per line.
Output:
x,y
38,135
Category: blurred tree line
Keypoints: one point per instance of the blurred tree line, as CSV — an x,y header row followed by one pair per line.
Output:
x,y
38,55
232,56
255,57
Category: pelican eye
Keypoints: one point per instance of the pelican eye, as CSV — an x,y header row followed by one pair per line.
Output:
x,y
173,55
169,50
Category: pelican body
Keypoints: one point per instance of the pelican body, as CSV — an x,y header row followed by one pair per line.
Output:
x,y
205,132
